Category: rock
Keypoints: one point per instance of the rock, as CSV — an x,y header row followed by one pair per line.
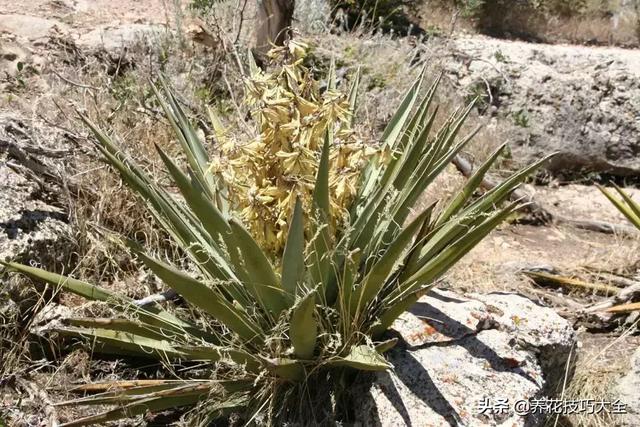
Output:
x,y
113,38
462,352
31,228
583,103
29,27
50,317
73,5
628,391
11,55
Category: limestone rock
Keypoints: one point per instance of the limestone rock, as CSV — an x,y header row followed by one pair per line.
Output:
x,y
30,226
581,102
114,38
583,201
628,391
29,27
463,352
11,55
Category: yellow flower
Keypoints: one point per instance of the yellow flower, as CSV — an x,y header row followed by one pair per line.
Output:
x,y
266,175
298,49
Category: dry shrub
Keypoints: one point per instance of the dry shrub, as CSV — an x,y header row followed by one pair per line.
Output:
x,y
595,30
95,200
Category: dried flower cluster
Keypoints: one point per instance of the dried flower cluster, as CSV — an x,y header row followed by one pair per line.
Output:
x,y
266,175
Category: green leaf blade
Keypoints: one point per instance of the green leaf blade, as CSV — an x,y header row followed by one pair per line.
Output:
x,y
364,358
263,281
293,257
303,327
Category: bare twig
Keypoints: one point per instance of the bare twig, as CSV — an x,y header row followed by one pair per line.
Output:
x,y
556,279
557,300
157,298
72,83
26,149
623,296
115,385
489,94
67,133
625,308
244,6
597,226
466,169
614,279
26,172
25,159
453,22
235,103
27,164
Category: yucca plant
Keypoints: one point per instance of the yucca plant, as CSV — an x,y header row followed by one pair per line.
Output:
x,y
274,321
625,204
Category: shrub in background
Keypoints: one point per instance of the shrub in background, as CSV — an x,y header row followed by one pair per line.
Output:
x,y
397,16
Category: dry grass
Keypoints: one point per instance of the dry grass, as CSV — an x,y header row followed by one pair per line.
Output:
x,y
122,103
593,30
115,94
602,362
384,82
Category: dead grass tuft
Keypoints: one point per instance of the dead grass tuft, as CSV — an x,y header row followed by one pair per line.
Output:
x,y
603,361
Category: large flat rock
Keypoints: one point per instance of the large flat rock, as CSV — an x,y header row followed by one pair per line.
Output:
x,y
584,202
628,391
462,357
113,38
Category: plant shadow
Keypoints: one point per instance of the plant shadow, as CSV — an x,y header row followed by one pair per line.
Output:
x,y
415,376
